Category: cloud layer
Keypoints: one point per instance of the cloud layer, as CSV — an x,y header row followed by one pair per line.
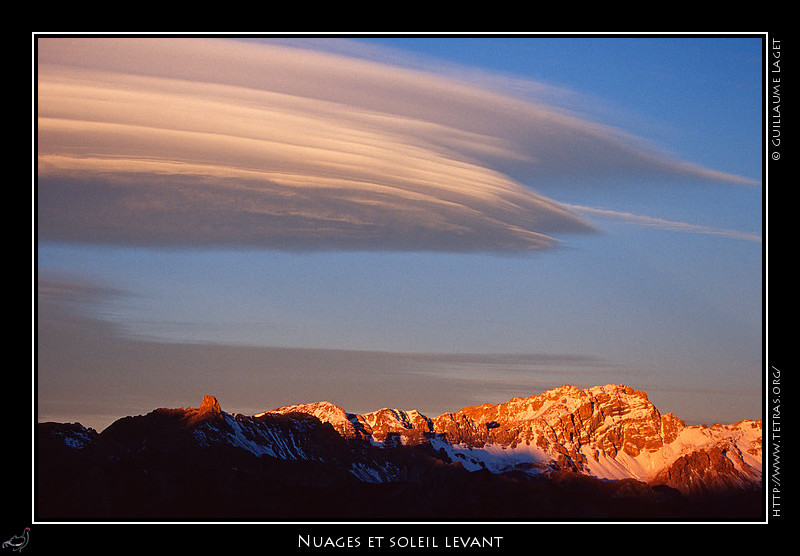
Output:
x,y
663,224
93,371
198,142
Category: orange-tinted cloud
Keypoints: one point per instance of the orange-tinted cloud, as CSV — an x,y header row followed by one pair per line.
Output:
x,y
198,142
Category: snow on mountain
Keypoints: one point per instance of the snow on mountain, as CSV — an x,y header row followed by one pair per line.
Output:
x,y
72,435
393,427
600,452
608,432
291,433
324,411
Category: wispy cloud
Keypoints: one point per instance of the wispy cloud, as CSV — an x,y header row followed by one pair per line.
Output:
x,y
90,368
663,224
200,142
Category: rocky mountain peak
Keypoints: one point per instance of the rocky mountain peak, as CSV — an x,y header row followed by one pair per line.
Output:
x,y
325,411
210,404
611,436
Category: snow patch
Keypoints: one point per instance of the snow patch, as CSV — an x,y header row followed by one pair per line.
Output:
x,y
494,457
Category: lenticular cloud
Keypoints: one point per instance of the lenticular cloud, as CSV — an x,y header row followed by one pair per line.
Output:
x,y
212,142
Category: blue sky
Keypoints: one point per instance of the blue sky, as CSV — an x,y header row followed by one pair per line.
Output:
x,y
422,223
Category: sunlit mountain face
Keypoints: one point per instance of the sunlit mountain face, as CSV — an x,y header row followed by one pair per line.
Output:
x,y
599,453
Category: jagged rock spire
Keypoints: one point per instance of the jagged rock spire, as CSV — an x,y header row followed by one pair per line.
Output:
x,y
210,405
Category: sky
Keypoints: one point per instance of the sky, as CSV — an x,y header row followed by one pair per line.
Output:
x,y
411,222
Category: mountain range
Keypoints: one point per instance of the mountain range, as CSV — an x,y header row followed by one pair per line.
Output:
x,y
600,453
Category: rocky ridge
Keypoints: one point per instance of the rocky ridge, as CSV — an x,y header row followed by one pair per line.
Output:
x,y
607,432
602,451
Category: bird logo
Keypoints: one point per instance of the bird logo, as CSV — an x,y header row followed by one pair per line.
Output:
x,y
18,542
